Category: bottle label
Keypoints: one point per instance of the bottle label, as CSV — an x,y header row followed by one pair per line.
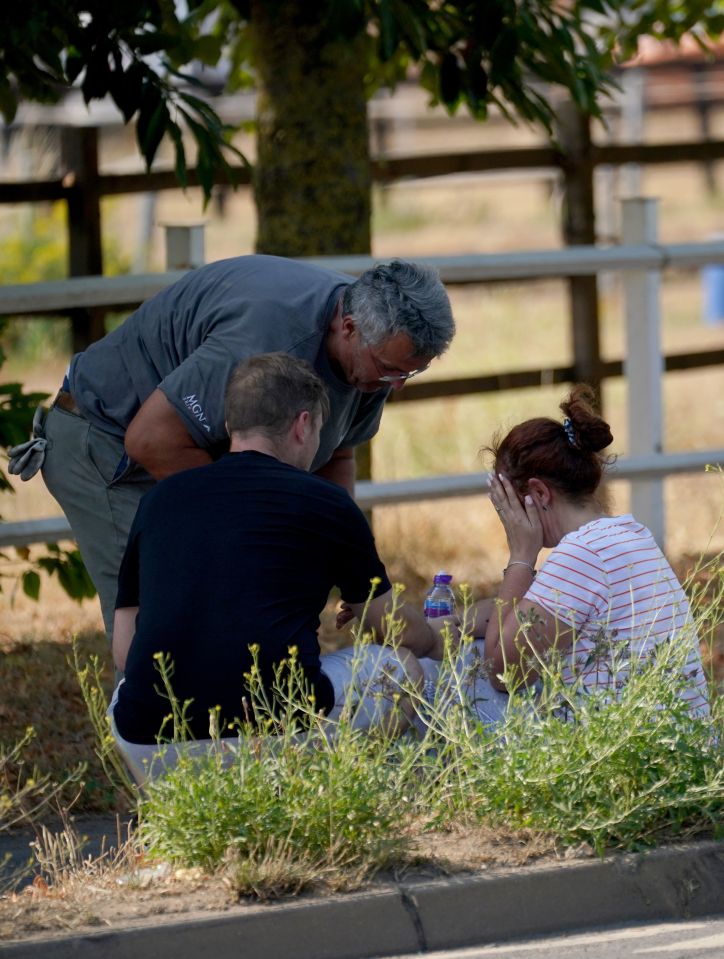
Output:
x,y
435,609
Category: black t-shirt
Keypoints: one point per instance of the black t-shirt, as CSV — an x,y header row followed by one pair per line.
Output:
x,y
239,552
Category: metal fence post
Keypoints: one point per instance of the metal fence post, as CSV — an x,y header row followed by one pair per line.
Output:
x,y
644,363
184,246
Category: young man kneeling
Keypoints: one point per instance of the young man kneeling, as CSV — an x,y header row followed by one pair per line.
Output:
x,y
229,565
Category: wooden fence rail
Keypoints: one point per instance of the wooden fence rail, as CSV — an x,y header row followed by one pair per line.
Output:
x,y
384,169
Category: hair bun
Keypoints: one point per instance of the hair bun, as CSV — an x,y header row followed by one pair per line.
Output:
x,y
585,428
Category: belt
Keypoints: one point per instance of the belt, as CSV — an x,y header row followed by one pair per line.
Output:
x,y
64,401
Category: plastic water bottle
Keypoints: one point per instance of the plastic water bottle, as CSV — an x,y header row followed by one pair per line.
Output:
x,y
440,601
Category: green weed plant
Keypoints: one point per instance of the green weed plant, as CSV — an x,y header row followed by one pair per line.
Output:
x,y
288,799
623,773
302,799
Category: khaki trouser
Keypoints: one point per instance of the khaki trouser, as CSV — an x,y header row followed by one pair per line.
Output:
x,y
81,463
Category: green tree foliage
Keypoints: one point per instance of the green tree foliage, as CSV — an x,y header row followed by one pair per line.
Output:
x,y
473,52
131,50
484,52
622,22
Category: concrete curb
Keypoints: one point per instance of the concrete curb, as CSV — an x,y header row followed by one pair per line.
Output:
x,y
671,883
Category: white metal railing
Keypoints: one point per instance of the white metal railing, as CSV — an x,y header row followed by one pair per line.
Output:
x,y
370,494
58,296
640,258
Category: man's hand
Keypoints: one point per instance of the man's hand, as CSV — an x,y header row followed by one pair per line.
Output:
x,y
344,615
416,636
157,439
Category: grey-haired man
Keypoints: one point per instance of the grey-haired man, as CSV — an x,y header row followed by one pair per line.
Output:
x,y
147,400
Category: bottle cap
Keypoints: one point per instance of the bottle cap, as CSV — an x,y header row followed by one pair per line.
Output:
x,y
443,578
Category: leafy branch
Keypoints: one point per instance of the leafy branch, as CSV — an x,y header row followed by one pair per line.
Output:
x,y
132,52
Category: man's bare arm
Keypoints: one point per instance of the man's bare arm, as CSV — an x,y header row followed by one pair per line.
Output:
x,y
124,628
340,469
157,439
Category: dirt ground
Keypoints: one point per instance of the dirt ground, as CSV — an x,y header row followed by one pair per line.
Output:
x,y
112,896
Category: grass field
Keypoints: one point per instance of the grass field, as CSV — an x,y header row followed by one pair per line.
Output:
x,y
511,326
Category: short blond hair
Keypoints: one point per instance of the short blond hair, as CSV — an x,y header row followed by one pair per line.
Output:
x,y
267,392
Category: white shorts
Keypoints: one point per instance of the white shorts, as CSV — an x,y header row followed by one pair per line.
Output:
x,y
467,681
365,679
149,760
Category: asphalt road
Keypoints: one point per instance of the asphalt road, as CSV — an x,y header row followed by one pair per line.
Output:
x,y
666,940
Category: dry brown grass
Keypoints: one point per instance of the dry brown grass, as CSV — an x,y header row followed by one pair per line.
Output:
x,y
39,688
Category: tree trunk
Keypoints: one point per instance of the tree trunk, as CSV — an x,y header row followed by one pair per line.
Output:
x,y
312,180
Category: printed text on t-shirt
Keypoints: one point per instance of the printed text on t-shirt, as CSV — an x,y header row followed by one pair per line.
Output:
x,y
193,405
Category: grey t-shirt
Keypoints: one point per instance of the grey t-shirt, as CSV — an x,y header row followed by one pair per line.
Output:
x,y
187,339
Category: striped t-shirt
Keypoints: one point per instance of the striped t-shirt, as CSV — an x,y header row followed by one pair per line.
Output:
x,y
611,584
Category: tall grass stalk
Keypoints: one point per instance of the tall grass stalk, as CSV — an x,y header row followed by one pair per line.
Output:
x,y
26,793
91,686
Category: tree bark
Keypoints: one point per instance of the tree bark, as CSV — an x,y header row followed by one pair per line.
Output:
x,y
312,179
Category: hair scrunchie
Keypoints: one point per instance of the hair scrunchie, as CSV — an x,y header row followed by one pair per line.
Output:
x,y
570,431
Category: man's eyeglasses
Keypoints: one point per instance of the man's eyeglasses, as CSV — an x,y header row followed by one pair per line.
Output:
x,y
390,376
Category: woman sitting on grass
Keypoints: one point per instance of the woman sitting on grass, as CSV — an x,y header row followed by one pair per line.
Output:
x,y
605,597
